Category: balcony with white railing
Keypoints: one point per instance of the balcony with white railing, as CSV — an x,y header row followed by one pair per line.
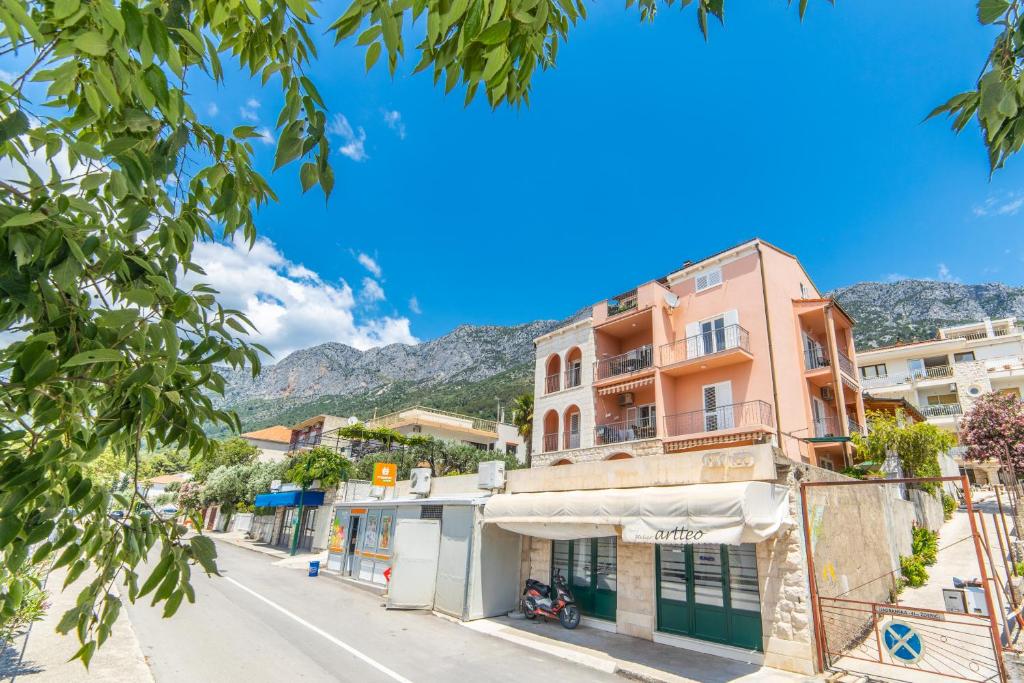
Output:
x,y
941,410
637,360
551,384
934,372
573,377
710,349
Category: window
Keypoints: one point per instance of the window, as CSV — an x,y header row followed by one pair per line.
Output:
x,y
708,279
873,371
943,400
431,511
511,448
963,357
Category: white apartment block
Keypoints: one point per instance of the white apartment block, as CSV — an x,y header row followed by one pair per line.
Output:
x,y
943,377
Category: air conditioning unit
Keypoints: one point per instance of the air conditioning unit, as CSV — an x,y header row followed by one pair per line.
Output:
x,y
419,481
626,399
491,475
827,394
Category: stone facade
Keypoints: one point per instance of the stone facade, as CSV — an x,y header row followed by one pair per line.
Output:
x,y
635,614
972,381
560,342
634,449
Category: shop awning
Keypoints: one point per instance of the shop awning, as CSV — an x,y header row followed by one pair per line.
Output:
x,y
729,513
289,498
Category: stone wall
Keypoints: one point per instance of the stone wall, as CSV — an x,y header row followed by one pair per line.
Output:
x,y
635,600
635,449
971,374
540,559
927,509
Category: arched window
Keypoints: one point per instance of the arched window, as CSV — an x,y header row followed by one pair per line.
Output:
x,y
571,427
563,461
553,374
573,367
620,456
550,431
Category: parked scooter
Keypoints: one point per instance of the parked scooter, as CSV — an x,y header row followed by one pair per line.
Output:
x,y
556,602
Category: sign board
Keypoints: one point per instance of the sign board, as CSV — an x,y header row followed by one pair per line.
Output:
x,y
902,642
384,474
912,613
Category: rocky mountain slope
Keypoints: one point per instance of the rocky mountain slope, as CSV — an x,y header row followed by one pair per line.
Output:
x,y
911,310
472,368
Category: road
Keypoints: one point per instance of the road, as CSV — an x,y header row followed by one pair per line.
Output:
x,y
261,622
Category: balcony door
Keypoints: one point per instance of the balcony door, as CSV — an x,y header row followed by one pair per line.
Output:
x,y
718,407
820,415
642,420
574,431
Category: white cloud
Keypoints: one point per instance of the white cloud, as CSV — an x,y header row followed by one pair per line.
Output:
x,y
370,263
1006,205
251,110
212,109
945,275
414,306
7,76
372,292
394,120
266,136
355,140
291,306
896,277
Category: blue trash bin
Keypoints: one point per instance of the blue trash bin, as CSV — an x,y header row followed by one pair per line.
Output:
x,y
314,568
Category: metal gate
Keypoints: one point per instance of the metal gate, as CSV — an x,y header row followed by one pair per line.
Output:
x,y
893,639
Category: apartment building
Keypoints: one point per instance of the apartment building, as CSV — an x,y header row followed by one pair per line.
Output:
x,y
487,435
672,427
942,377
274,443
737,349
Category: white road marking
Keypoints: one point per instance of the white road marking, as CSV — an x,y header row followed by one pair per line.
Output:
x,y
344,646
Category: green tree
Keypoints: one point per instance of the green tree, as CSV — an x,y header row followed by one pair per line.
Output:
x,y
522,418
233,451
403,460
916,445
227,486
321,464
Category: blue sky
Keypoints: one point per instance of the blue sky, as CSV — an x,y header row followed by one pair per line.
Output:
x,y
644,148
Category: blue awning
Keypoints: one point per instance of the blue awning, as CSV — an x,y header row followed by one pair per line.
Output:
x,y
289,499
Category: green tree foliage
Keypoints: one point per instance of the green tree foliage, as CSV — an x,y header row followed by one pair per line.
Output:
x,y
997,100
925,545
445,458
321,464
227,485
916,445
233,451
913,570
522,418
24,600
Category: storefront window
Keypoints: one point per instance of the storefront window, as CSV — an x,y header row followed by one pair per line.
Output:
x,y
589,565
743,593
707,575
606,564
673,573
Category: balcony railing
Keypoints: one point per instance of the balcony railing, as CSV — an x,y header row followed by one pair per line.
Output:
x,y
622,303
571,440
816,358
443,417
845,364
746,414
935,372
941,410
982,334
705,344
627,430
825,427
550,443
631,361
308,441
551,384
574,377
854,427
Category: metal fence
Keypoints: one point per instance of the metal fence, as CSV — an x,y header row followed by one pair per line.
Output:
x,y
632,361
745,414
706,343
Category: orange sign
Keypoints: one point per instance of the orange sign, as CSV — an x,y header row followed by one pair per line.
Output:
x,y
384,474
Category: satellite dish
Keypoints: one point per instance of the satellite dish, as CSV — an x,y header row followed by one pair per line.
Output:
x,y
352,421
671,299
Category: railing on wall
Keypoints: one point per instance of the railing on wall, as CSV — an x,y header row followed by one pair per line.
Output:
x,y
745,414
551,384
550,443
705,344
632,361
622,303
941,410
573,376
625,430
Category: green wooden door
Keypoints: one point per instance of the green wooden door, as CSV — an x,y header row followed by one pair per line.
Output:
x,y
590,567
710,592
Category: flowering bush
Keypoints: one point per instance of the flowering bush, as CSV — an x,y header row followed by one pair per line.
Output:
x,y
994,428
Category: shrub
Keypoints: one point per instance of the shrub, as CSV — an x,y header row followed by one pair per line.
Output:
x,y
22,600
913,571
925,545
949,506
1019,566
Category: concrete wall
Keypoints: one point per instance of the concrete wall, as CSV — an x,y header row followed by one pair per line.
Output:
x,y
927,509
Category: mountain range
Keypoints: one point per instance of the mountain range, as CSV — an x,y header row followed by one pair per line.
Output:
x,y
478,369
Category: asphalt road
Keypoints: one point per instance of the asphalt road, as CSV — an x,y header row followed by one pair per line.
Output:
x,y
261,622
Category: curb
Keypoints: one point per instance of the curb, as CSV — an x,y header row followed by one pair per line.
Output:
x,y
599,663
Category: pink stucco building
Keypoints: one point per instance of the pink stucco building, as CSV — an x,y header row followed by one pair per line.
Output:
x,y
738,348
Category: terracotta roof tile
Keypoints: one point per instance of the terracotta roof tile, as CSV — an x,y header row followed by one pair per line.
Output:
x,y
277,433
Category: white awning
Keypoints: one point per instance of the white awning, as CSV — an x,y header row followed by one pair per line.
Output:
x,y
730,513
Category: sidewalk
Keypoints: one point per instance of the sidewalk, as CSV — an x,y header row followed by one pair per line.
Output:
x,y
41,656
284,559
628,657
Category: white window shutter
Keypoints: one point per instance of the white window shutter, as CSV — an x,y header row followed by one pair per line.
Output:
x,y
732,317
694,345
701,282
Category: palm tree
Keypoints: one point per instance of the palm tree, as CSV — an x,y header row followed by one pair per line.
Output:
x,y
522,418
